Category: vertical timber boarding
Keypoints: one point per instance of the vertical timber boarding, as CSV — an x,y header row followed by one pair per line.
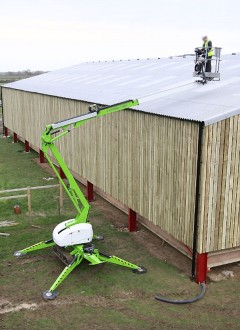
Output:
x,y
146,162
219,218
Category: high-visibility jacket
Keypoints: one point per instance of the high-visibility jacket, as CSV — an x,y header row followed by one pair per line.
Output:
x,y
208,47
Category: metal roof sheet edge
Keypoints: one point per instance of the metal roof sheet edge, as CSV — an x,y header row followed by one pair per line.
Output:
x,y
130,109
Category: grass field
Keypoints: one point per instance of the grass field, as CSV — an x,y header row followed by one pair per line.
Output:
x,y
99,297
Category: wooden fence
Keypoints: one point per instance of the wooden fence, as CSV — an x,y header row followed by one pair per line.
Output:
x,y
28,194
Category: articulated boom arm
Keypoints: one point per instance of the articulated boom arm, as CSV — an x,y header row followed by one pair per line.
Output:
x,y
55,131
73,245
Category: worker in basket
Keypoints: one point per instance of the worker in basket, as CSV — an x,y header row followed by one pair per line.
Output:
x,y
208,52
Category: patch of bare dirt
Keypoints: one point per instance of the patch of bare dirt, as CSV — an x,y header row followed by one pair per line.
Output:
x,y
224,272
8,306
27,259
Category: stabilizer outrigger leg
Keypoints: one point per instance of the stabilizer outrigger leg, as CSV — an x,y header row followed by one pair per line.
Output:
x,y
121,262
35,247
52,293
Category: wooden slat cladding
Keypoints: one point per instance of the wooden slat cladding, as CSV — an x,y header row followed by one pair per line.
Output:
x,y
146,162
219,226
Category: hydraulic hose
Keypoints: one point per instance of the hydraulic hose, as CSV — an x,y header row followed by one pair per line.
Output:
x,y
184,301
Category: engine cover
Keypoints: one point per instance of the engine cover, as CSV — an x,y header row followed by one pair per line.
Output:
x,y
77,234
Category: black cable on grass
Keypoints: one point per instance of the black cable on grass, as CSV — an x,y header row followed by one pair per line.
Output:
x,y
184,301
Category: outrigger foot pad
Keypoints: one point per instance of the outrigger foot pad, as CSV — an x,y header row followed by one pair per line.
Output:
x,y
99,237
140,270
49,295
19,254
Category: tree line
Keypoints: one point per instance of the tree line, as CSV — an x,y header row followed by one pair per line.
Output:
x,y
21,74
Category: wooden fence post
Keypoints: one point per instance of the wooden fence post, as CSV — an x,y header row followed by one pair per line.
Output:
x,y
60,196
29,199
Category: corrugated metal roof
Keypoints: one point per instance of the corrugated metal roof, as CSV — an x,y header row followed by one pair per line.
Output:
x,y
163,86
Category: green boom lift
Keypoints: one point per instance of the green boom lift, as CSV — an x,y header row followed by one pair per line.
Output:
x,y
71,239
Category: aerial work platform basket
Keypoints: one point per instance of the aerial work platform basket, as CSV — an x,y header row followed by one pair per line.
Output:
x,y
201,60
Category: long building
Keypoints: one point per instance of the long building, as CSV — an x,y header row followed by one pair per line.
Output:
x,y
173,161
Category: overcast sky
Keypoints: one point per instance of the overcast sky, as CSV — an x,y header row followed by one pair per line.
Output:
x,y
50,34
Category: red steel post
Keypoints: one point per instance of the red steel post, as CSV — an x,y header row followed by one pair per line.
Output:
x,y
5,131
132,220
201,269
90,194
27,146
62,174
41,156
15,138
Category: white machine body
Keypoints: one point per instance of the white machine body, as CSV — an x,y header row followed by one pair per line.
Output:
x,y
77,234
